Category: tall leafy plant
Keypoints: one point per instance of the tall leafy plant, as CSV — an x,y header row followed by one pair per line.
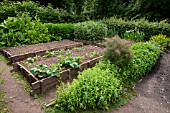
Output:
x,y
22,30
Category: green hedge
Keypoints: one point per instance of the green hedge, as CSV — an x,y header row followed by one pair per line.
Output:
x,y
161,39
64,30
145,57
120,26
88,30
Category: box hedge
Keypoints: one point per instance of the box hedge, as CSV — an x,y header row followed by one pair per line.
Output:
x,y
63,30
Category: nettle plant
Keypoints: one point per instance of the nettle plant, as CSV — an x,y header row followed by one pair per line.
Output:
x,y
95,88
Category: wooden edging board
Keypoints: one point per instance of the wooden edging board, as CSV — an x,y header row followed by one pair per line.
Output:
x,y
17,58
42,85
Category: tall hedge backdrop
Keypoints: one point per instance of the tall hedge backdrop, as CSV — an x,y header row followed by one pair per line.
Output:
x,y
81,10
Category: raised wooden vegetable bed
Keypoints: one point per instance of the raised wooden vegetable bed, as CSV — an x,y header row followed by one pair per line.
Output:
x,y
40,85
16,54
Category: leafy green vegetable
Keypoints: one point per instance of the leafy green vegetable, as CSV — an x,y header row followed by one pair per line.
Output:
x,y
43,71
70,61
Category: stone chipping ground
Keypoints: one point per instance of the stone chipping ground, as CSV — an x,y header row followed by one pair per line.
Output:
x,y
153,92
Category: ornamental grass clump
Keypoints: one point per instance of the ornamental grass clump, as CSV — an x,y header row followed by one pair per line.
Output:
x,y
117,51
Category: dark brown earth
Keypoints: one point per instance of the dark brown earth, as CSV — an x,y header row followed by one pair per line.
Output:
x,y
153,92
85,53
37,47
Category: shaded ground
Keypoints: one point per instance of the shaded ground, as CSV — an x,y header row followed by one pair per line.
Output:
x,y
153,92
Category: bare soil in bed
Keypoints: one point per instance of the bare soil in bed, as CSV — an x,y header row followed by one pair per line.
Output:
x,y
84,52
38,47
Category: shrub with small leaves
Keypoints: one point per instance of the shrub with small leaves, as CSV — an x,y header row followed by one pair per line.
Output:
x,y
117,51
90,30
145,57
95,88
161,39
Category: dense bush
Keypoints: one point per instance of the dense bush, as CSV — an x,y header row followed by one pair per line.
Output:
x,y
64,30
46,14
90,30
152,10
161,39
120,26
117,51
22,30
145,57
95,88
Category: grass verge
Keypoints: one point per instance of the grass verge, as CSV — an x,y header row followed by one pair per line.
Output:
x,y
23,81
3,58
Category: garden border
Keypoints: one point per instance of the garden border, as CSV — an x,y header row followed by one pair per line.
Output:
x,y
41,86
